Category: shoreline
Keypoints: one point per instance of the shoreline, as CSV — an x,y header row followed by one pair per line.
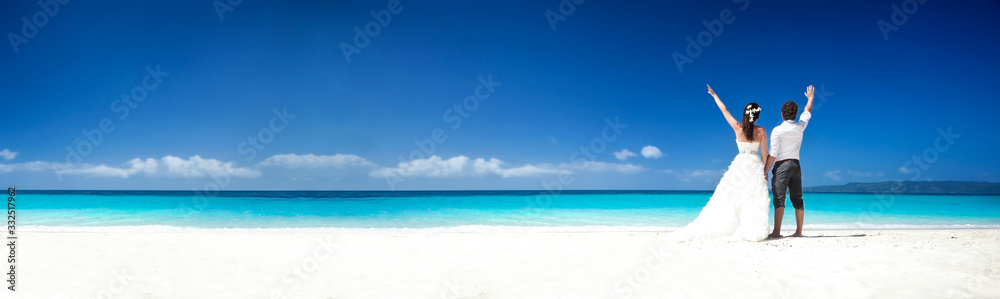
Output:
x,y
451,229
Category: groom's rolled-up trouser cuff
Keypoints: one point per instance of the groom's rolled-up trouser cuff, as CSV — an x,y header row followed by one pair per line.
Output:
x,y
787,177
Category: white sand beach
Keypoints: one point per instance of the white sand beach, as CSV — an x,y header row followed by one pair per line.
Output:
x,y
831,264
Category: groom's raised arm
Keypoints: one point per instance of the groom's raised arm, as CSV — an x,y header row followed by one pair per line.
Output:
x,y
810,92
807,112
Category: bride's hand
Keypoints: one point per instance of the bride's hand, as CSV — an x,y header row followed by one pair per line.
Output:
x,y
710,91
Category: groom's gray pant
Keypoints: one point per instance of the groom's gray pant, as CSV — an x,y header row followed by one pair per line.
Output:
x,y
787,177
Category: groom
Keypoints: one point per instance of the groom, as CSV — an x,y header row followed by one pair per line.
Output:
x,y
786,139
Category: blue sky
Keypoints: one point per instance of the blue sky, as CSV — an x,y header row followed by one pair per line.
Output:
x,y
209,83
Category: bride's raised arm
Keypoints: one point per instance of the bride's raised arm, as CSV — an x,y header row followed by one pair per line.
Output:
x,y
729,117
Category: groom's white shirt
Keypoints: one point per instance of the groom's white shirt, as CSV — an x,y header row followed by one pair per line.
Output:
x,y
786,138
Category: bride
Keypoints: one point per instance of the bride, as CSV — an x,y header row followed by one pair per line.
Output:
x,y
738,209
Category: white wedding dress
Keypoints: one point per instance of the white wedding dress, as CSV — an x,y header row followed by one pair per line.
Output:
x,y
738,209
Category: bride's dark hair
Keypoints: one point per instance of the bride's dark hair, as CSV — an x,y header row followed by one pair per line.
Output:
x,y
750,114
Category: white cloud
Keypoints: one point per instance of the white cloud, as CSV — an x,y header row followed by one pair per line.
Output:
x,y
624,154
481,166
93,170
833,175
7,154
596,166
867,174
904,170
429,167
433,167
689,175
651,152
27,166
315,161
837,175
462,166
168,166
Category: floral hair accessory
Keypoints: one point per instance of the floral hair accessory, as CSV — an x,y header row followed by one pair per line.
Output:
x,y
750,112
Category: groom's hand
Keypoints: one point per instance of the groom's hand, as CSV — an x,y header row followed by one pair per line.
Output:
x,y
809,95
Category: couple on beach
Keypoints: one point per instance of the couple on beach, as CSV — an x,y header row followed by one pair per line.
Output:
x,y
738,208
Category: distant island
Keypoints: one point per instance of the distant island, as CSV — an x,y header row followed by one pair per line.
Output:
x,y
911,187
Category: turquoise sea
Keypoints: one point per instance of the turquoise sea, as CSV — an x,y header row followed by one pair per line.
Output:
x,y
465,210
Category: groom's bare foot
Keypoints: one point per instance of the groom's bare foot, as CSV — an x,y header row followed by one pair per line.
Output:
x,y
774,236
797,235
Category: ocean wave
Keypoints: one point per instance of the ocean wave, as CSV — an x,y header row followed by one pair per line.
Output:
x,y
868,226
468,228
